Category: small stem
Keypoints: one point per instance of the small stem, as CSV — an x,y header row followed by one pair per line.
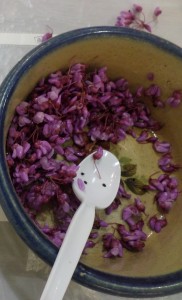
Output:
x,y
97,169
157,172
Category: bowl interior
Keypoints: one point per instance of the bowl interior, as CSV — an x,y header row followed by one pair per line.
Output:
x,y
132,59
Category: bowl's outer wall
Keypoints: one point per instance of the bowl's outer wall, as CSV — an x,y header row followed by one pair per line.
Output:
x,y
130,54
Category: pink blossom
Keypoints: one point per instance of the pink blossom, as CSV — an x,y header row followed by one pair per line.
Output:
x,y
135,18
146,26
157,11
162,147
132,240
112,245
125,18
137,8
99,153
157,224
175,99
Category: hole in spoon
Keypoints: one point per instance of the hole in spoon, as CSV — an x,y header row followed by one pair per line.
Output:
x,y
104,184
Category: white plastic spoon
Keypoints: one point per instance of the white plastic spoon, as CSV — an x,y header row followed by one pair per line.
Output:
x,y
96,186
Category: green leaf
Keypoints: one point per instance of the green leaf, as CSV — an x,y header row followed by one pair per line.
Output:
x,y
124,160
135,185
128,170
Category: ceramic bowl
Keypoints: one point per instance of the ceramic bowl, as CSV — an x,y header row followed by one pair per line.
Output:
x,y
157,270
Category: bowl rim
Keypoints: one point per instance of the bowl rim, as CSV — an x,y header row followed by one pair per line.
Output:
x,y
98,280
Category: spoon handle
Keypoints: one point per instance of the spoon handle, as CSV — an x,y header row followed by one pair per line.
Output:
x,y
69,253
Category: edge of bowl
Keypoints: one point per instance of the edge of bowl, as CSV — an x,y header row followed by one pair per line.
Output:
x,y
91,278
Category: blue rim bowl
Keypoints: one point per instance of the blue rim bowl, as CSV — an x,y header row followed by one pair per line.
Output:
x,y
130,286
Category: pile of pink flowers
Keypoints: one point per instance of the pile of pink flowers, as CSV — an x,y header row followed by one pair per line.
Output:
x,y
67,116
135,18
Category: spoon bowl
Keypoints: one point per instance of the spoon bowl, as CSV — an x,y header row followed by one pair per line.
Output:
x,y
99,180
